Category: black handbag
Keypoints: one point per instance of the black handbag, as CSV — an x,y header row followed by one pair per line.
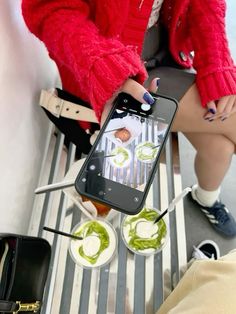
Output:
x,y
24,264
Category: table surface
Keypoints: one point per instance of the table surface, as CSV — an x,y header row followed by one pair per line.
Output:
x,y
130,283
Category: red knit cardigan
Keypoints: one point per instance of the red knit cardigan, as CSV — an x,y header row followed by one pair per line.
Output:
x,y
96,44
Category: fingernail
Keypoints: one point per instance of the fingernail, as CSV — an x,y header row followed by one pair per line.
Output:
x,y
148,98
210,120
158,81
211,110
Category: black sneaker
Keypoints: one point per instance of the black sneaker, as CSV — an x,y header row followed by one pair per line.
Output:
x,y
219,217
207,249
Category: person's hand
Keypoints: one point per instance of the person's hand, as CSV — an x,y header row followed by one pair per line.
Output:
x,y
222,109
134,89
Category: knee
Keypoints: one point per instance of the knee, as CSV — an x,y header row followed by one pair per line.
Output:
x,y
217,149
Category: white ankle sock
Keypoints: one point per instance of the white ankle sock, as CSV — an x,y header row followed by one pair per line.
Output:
x,y
203,197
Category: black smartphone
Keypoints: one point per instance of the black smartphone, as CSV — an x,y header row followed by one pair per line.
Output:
x,y
121,165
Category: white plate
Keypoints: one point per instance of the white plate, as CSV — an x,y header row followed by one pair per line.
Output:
x,y
132,124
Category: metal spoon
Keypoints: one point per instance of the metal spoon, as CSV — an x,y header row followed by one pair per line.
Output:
x,y
173,203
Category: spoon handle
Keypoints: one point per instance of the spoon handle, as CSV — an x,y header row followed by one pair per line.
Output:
x,y
62,233
161,216
173,203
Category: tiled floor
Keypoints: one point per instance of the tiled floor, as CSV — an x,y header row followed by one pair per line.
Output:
x,y
197,227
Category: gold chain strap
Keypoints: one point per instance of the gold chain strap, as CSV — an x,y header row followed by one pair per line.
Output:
x,y
27,307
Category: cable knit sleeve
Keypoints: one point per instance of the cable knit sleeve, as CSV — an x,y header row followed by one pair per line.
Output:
x,y
99,65
216,72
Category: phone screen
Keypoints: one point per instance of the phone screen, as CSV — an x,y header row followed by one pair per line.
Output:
x,y
123,159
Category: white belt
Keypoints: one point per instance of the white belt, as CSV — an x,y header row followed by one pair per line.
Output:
x,y
63,108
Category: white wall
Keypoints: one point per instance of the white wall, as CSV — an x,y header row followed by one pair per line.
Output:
x,y
231,26
25,68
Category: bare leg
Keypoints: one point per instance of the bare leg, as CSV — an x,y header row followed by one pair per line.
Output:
x,y
212,160
215,141
215,144
190,114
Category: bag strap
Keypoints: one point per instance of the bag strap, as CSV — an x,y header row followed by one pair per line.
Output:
x,y
64,108
16,307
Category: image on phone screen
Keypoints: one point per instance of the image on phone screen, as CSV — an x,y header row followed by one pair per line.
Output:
x,y
128,148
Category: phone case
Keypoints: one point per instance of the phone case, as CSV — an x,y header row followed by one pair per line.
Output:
x,y
111,192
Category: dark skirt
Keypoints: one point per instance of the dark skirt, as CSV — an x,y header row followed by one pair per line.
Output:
x,y
174,80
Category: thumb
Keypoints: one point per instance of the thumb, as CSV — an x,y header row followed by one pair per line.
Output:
x,y
211,107
211,111
153,87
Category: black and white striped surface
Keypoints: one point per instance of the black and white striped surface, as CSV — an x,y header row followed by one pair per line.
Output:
x,y
130,283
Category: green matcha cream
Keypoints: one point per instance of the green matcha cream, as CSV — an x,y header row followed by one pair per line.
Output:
x,y
146,152
98,244
141,234
121,157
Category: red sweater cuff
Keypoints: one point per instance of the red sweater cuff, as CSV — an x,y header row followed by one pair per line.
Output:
x,y
216,85
108,74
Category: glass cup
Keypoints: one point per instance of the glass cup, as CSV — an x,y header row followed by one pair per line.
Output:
x,y
98,246
146,152
141,235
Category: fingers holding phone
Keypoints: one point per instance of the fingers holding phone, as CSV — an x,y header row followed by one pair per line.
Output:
x,y
136,90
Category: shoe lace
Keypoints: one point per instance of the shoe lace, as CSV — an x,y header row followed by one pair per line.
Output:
x,y
220,213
